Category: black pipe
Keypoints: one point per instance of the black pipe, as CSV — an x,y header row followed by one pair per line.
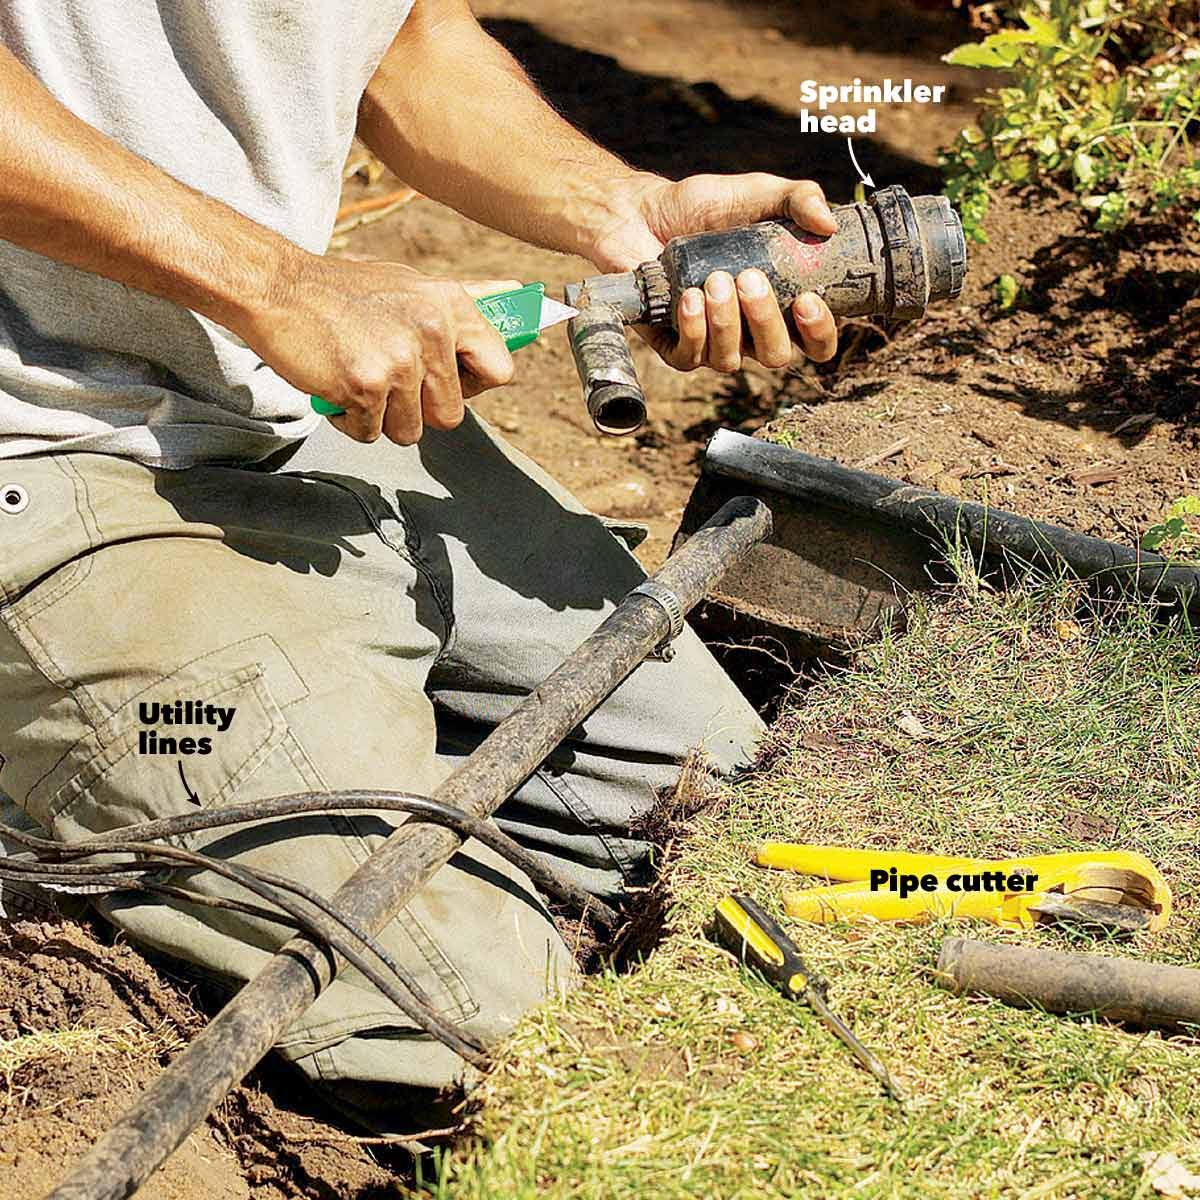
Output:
x,y
248,1026
944,518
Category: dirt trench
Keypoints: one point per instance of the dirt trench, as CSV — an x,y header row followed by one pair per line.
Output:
x,y
86,1025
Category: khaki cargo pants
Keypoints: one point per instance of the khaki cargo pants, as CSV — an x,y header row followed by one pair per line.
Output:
x,y
369,613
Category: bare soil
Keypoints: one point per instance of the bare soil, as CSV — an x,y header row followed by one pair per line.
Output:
x,y
59,976
1079,405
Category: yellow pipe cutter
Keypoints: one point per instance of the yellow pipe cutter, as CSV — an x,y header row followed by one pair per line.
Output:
x,y
1119,890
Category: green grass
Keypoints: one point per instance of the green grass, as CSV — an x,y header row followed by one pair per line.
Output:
x,y
1044,732
127,1041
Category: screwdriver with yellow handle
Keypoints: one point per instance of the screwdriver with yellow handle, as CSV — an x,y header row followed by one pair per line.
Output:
x,y
743,928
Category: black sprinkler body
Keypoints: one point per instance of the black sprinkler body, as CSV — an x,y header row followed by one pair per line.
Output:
x,y
890,256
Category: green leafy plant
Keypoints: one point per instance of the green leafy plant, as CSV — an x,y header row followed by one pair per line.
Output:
x,y
1177,535
1103,96
1008,292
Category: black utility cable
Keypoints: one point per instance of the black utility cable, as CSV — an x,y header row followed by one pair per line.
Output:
x,y
266,885
152,860
101,885
463,823
419,1011
155,859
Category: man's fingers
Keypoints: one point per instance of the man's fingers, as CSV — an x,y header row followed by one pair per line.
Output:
x,y
682,347
768,329
402,422
402,417
722,201
484,357
692,325
364,404
807,206
359,425
469,383
724,322
818,330
481,350
442,397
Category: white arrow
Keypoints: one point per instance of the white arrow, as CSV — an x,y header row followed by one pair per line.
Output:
x,y
865,178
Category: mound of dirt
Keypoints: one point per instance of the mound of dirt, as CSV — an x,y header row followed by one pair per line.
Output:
x,y
1080,403
84,1027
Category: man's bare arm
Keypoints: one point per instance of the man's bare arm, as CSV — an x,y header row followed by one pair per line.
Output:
x,y
455,116
380,340
71,193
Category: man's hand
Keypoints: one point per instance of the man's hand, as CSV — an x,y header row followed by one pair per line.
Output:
x,y
545,182
397,350
728,319
375,338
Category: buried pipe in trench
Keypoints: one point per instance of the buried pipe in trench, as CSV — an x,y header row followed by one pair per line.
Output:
x,y
819,481
247,1027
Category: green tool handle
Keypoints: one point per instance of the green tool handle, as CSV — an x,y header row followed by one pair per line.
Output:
x,y
505,310
324,407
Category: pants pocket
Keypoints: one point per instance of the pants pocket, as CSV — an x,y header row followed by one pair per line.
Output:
x,y
126,772
112,783
47,527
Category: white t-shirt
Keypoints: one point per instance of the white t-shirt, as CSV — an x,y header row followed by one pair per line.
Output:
x,y
253,102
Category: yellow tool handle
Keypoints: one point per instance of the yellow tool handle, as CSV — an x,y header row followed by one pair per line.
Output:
x,y
902,886
854,902
843,863
743,927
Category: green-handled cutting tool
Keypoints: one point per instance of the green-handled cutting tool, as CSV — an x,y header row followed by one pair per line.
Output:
x,y
519,316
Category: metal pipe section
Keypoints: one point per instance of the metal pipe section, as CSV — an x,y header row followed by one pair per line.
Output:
x,y
611,389
248,1026
986,530
1146,994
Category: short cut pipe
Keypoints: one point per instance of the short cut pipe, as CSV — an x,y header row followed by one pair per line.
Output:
x,y
614,397
1145,994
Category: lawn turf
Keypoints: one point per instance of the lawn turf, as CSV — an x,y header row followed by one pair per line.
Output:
x,y
994,726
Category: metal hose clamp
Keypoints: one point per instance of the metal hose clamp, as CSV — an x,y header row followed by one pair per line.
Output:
x,y
669,603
